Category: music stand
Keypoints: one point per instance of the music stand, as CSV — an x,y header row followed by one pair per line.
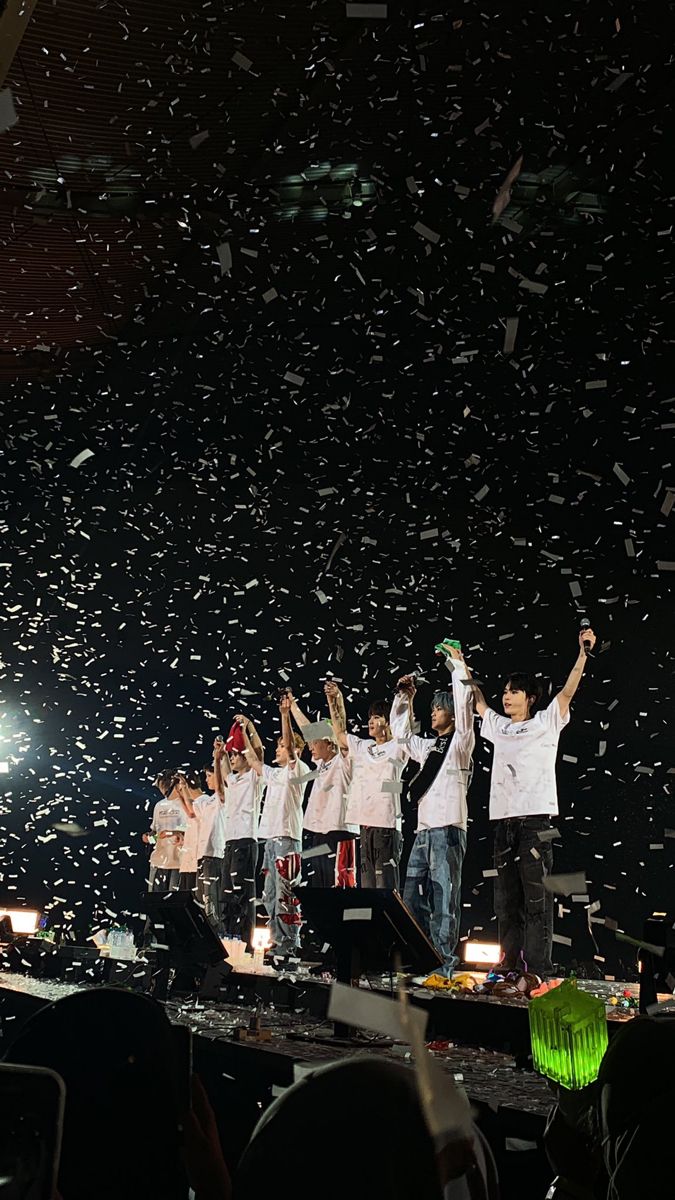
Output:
x,y
369,928
184,939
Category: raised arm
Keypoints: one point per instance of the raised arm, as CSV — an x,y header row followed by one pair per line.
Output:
x,y
338,715
253,747
286,730
182,789
480,703
402,716
221,767
566,693
472,689
297,713
461,691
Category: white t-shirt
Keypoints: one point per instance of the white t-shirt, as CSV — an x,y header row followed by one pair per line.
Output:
x,y
374,766
242,805
167,817
327,806
189,851
211,826
523,769
444,803
282,810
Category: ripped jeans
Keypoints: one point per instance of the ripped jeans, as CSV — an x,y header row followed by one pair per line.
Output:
x,y
523,906
281,871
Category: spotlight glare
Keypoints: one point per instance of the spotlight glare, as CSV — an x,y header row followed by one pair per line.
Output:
x,y
24,920
482,953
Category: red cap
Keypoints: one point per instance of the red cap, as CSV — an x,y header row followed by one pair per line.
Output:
x,y
234,742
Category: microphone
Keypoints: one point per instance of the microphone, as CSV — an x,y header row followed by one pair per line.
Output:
x,y
585,624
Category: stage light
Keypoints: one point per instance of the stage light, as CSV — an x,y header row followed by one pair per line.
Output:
x,y
4,768
482,953
261,938
24,920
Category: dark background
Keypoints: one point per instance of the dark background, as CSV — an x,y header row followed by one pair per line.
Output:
x,y
180,575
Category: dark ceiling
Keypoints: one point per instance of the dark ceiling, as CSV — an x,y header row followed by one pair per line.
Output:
x,y
148,135
335,409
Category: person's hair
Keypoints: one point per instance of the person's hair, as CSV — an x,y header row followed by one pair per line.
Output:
x,y
443,700
191,778
328,1105
114,1050
166,780
522,681
636,1095
298,742
379,708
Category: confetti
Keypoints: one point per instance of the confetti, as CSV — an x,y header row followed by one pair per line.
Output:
x,y
82,457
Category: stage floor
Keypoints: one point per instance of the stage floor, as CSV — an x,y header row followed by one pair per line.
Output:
x,y
490,1076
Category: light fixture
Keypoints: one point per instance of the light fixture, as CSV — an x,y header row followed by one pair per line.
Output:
x,y
24,920
482,953
261,940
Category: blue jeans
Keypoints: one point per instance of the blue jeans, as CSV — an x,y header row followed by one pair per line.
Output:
x,y
433,885
281,871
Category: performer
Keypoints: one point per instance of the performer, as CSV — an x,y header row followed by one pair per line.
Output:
x,y
166,835
434,876
325,816
374,802
281,831
238,789
187,790
523,798
210,850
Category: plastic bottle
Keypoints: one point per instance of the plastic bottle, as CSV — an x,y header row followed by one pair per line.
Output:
x,y
568,1032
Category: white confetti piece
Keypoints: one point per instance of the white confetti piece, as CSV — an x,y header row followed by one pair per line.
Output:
x,y
510,334
425,232
377,12
567,884
224,257
82,457
240,60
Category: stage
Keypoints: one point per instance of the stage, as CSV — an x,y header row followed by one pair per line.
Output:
x,y
483,1042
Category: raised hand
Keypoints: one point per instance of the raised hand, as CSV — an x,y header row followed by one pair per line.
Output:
x,y
331,689
452,651
406,684
587,635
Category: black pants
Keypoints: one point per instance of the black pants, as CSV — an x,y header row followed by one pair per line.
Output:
x,y
380,857
240,862
187,881
524,907
321,871
209,891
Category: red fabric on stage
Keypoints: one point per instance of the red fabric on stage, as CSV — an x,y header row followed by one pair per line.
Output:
x,y
345,864
289,872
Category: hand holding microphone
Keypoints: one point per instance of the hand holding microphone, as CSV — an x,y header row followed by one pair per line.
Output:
x,y
587,638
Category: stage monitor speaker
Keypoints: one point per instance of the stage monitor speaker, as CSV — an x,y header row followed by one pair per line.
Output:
x,y
184,941
370,929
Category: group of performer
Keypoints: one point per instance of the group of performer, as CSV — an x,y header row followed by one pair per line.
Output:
x,y
207,840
